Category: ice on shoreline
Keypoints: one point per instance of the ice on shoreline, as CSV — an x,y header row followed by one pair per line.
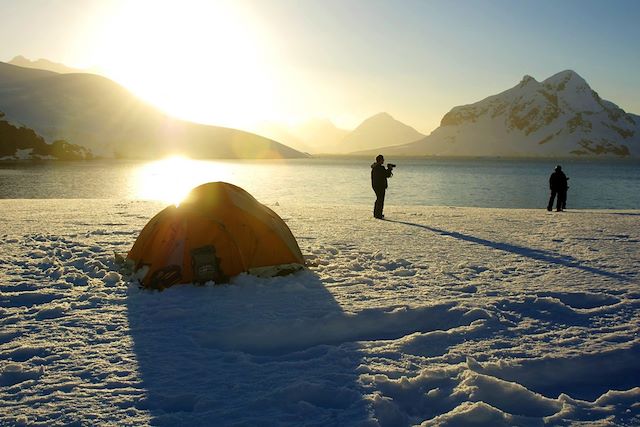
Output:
x,y
438,316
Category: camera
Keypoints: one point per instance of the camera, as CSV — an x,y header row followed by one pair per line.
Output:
x,y
390,166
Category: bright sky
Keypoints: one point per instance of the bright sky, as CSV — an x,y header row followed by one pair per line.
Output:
x,y
237,63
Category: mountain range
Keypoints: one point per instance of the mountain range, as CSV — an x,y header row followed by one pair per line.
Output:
x,y
97,113
321,136
44,64
558,117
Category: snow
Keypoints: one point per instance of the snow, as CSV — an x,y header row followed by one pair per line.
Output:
x,y
435,316
21,154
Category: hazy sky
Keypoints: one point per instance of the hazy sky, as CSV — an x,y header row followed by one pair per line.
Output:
x,y
236,63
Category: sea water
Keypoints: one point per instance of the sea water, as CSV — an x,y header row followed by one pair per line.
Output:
x,y
502,183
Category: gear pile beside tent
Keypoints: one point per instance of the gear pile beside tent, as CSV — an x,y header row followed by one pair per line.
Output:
x,y
218,232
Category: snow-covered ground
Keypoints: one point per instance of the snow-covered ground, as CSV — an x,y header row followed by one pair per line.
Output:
x,y
437,316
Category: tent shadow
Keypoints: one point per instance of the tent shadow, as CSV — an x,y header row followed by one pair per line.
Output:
x,y
248,353
537,254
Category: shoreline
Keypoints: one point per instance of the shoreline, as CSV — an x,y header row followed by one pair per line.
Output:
x,y
330,156
389,207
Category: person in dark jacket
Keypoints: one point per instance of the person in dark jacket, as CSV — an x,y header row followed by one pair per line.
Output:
x,y
379,175
558,186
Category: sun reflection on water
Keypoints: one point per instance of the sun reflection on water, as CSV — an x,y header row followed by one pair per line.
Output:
x,y
171,179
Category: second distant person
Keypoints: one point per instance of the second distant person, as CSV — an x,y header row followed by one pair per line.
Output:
x,y
558,186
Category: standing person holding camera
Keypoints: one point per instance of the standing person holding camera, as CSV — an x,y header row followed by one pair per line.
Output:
x,y
379,175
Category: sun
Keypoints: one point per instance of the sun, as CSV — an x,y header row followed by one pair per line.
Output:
x,y
203,61
170,180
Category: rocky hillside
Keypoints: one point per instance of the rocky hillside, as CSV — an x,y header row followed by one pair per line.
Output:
x,y
21,143
558,117
97,113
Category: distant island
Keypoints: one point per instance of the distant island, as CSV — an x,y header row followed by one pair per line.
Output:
x,y
22,143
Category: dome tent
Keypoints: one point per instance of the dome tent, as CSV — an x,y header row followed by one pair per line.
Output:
x,y
217,232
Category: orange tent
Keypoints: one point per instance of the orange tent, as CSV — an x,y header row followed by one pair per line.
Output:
x,y
219,231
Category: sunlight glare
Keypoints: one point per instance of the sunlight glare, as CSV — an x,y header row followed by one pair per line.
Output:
x,y
202,61
171,179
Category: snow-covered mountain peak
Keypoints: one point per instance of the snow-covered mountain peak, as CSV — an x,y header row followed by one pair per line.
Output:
x,y
560,116
527,80
531,105
567,80
573,92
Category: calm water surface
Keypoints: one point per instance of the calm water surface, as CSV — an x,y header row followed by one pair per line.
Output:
x,y
431,182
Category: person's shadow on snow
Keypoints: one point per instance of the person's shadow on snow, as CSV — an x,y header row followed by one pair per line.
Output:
x,y
254,352
537,254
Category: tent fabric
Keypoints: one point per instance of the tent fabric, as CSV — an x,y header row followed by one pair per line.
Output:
x,y
217,232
